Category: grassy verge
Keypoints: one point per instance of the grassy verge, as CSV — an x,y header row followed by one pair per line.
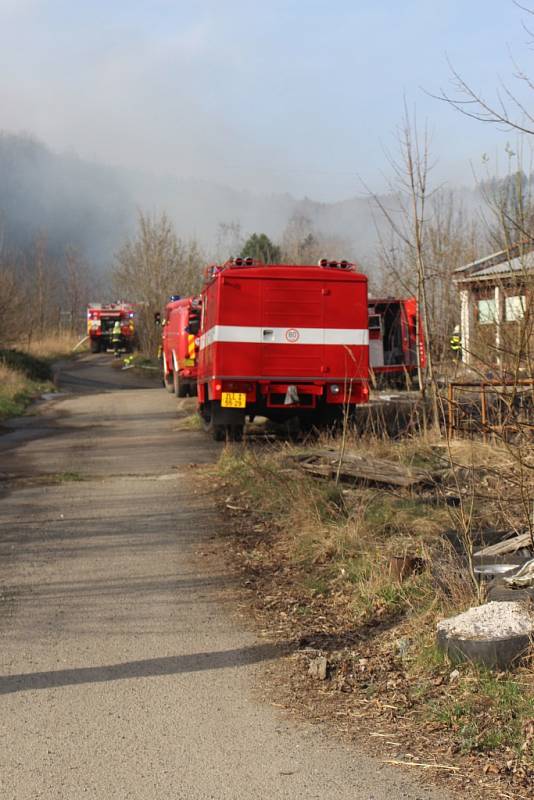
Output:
x,y
22,379
27,373
320,565
148,366
53,347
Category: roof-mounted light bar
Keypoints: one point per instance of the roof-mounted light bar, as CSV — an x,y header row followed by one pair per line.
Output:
x,y
240,261
343,264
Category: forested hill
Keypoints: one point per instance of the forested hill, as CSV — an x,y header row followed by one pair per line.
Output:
x,y
70,201
92,207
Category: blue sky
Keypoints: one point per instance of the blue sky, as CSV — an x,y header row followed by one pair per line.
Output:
x,y
296,95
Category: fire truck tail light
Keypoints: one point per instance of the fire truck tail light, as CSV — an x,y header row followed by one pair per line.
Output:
x,y
218,387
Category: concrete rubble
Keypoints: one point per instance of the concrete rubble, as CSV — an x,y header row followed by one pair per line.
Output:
x,y
495,635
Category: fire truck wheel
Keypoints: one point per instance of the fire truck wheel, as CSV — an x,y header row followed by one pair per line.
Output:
x,y
95,346
218,432
236,433
180,388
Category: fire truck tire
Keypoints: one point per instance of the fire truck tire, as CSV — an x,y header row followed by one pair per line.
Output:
x,y
168,383
181,389
95,346
218,432
222,429
235,433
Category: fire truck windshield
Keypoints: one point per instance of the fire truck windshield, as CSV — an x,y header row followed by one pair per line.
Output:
x,y
108,323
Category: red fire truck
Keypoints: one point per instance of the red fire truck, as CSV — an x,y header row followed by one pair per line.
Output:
x,y
101,319
180,345
393,340
281,341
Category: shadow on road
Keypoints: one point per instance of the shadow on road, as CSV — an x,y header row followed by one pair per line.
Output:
x,y
147,668
312,642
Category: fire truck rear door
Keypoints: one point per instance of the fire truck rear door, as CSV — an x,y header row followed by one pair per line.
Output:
x,y
292,328
346,331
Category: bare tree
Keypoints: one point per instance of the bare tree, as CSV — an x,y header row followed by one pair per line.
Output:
x,y
229,241
450,240
153,265
12,322
408,222
508,109
39,275
302,244
75,295
508,213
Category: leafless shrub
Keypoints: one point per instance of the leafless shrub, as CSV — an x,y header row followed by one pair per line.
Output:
x,y
153,265
302,244
11,307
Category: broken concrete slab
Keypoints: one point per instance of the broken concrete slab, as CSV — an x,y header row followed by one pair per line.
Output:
x,y
495,634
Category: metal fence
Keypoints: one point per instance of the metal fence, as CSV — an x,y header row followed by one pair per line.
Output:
x,y
493,408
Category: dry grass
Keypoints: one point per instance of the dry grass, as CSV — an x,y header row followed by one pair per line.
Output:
x,y
52,346
318,559
22,378
25,371
12,382
345,538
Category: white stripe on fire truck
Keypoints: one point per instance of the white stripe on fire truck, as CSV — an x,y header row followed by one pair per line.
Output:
x,y
265,335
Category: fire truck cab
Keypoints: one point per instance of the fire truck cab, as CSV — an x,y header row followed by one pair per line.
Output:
x,y
101,320
393,335
281,341
180,345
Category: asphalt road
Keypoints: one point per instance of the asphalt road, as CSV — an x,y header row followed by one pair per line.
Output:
x,y
123,671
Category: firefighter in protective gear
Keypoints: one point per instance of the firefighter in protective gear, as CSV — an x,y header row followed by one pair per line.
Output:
x,y
456,342
116,336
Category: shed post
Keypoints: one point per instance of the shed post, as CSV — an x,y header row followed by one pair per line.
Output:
x,y
498,323
466,323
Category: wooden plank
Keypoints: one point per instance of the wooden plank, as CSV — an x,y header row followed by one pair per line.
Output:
x,y
321,470
361,472
508,546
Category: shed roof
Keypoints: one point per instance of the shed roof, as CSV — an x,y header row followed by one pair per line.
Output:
x,y
519,258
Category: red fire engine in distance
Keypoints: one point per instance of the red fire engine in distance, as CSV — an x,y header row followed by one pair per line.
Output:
x,y
180,345
101,319
393,340
281,341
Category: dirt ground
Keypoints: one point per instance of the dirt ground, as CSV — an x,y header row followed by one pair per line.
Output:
x,y
125,670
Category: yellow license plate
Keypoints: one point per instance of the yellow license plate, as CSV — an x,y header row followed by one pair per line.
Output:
x,y
233,400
